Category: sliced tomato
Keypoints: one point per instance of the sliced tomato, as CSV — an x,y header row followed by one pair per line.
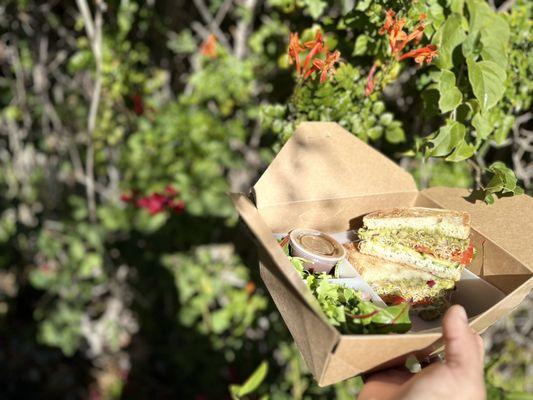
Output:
x,y
466,256
394,300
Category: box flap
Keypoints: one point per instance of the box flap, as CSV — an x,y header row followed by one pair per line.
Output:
x,y
357,354
270,247
324,161
314,337
507,224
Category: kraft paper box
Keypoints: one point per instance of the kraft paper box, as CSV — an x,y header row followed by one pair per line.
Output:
x,y
327,179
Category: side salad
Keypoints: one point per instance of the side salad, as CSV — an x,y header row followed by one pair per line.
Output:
x,y
345,308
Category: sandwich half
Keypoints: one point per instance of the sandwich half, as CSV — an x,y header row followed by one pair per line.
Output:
x,y
431,240
394,282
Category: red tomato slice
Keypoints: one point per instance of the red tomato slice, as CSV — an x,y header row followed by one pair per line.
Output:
x,y
467,256
394,300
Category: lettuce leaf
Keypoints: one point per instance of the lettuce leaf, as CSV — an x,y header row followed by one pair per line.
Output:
x,y
346,310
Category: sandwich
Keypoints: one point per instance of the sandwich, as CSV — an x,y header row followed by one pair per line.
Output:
x,y
430,240
428,295
413,254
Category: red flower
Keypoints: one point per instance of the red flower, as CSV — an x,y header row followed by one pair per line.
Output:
x,y
370,80
155,203
209,47
138,105
327,66
424,54
294,50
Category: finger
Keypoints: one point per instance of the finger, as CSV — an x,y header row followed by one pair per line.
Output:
x,y
461,345
384,385
481,347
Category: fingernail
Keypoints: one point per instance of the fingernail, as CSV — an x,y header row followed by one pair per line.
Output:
x,y
461,313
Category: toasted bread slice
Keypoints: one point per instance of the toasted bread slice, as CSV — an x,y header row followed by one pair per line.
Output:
x,y
428,294
373,269
447,222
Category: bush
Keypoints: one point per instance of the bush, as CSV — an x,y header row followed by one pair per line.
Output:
x,y
123,124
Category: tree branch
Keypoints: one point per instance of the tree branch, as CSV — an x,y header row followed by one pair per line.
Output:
x,y
243,28
94,33
210,21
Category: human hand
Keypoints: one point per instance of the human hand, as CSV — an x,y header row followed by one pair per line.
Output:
x,y
459,377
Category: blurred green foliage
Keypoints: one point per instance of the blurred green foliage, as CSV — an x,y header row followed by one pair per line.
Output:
x,y
121,302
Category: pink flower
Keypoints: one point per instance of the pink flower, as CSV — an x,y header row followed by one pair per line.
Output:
x,y
155,203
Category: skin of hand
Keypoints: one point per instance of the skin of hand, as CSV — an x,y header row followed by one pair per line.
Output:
x,y
459,377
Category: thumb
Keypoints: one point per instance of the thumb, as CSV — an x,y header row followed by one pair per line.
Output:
x,y
462,347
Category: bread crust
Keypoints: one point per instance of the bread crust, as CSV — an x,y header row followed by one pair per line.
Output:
x,y
448,222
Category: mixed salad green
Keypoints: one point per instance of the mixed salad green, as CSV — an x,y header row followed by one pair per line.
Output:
x,y
345,308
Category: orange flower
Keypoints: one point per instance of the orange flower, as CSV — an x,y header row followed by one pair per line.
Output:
x,y
209,47
316,47
397,36
421,55
326,66
416,35
370,80
294,50
312,63
389,22
398,39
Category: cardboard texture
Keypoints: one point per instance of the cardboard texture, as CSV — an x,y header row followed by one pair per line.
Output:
x,y
325,178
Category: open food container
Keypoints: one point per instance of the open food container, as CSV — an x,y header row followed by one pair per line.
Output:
x,y
324,178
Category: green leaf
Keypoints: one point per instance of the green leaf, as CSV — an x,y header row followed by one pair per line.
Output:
x,y
503,181
447,138
395,135
461,152
495,40
487,79
252,383
360,45
448,37
315,8
482,125
457,6
501,132
450,96
480,15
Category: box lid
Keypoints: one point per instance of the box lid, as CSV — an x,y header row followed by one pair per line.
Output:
x,y
324,161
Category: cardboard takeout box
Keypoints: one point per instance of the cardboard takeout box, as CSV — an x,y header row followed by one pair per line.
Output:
x,y
325,178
